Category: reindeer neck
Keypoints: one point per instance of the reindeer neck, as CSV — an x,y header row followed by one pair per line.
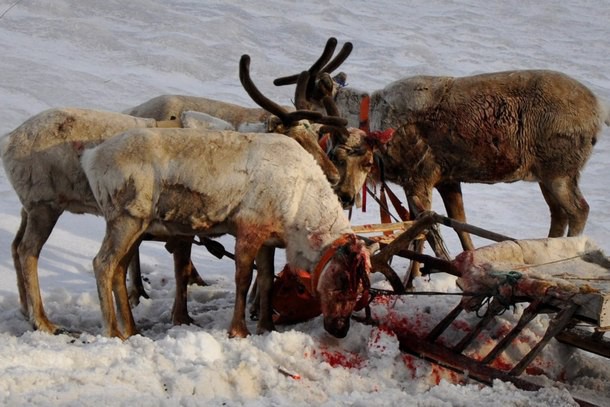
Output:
x,y
314,228
348,102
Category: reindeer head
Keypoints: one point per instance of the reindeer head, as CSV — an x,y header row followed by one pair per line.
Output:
x,y
350,149
353,158
340,280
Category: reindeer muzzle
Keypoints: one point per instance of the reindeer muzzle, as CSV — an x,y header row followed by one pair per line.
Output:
x,y
337,326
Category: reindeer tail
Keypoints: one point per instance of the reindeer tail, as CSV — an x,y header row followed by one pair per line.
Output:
x,y
606,110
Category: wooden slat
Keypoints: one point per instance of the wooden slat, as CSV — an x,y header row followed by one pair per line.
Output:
x,y
382,227
582,339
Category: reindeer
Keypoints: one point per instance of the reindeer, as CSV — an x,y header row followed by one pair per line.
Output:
x,y
41,161
171,107
243,187
531,125
305,133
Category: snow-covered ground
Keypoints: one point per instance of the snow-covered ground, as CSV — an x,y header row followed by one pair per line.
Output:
x,y
113,54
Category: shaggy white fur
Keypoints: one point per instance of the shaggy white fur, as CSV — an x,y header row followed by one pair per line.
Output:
x,y
262,188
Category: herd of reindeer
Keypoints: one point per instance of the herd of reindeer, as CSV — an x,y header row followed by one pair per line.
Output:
x,y
179,167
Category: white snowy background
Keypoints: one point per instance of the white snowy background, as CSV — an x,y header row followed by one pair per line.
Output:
x,y
116,54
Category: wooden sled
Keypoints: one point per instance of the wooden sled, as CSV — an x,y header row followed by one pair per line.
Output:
x,y
566,278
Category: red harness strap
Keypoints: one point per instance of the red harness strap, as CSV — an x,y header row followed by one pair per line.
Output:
x,y
403,213
364,114
364,126
324,259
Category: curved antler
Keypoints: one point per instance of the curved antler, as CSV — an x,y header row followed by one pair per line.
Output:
x,y
329,49
320,83
318,66
339,59
301,101
286,117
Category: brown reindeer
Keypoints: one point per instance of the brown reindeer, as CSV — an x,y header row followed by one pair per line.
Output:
x,y
532,125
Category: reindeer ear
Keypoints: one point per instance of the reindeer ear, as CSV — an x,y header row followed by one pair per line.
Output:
x,y
274,125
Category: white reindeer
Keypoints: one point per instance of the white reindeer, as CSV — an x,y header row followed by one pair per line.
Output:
x,y
193,182
171,107
41,160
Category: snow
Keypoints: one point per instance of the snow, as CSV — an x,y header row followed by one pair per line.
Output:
x,y
113,55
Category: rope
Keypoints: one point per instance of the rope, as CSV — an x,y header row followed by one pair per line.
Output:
x,y
379,291
526,266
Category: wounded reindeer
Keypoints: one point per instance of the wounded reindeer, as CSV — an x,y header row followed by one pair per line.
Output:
x,y
193,182
530,125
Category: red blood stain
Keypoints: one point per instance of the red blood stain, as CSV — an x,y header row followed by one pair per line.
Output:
x,y
349,360
383,300
461,325
438,373
409,364
534,370
502,364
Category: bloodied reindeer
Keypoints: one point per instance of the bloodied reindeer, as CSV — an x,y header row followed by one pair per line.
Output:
x,y
346,184
305,132
531,125
243,188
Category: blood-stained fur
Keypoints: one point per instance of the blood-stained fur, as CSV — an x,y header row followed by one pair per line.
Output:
x,y
532,125
234,183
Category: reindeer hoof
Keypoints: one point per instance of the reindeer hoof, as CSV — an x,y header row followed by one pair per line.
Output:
x,y
48,327
238,332
264,328
183,320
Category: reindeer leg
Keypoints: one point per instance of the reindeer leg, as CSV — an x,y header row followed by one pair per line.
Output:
x,y
559,217
23,299
34,231
136,289
194,276
419,200
568,196
182,270
451,193
119,288
122,234
265,274
248,241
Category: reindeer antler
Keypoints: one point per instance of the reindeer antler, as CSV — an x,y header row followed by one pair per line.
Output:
x,y
320,83
318,67
286,117
301,103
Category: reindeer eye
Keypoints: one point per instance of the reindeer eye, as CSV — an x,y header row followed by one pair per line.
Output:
x,y
367,165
